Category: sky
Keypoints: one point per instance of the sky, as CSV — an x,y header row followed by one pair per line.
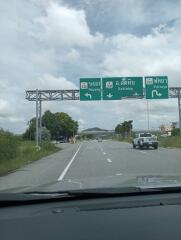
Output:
x,y
51,44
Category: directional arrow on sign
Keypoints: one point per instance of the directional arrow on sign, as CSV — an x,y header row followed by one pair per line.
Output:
x,y
88,95
109,95
156,87
156,93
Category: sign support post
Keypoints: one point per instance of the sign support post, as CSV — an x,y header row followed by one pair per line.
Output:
x,y
40,121
148,115
179,109
37,134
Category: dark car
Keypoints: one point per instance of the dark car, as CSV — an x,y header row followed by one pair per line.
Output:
x,y
61,139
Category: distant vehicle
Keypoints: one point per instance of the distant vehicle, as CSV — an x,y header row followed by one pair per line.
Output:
x,y
61,139
99,139
145,140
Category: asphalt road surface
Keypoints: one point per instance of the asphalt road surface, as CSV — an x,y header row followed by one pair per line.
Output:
x,y
93,159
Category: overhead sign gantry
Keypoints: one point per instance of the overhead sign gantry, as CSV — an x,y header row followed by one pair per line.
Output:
x,y
110,88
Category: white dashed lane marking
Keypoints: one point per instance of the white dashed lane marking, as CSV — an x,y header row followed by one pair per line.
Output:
x,y
109,160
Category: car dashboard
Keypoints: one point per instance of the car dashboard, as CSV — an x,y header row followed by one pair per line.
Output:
x,y
134,217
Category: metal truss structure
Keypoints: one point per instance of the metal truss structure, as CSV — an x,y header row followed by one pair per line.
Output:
x,y
58,95
52,95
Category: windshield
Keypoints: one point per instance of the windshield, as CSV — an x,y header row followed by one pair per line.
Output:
x,y
145,135
90,94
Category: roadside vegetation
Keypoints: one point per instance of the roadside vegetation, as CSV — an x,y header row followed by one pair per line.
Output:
x,y
15,152
124,133
172,141
18,150
54,125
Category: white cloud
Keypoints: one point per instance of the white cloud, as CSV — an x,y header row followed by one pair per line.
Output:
x,y
42,3
48,81
72,56
5,109
66,27
158,53
43,58
16,120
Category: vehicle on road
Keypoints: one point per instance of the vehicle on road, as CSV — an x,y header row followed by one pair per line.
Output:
x,y
143,140
99,139
61,139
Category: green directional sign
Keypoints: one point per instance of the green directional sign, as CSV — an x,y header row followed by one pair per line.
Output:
x,y
156,87
90,89
115,88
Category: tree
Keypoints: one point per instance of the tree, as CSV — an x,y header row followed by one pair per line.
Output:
x,y
124,128
174,125
58,124
176,132
45,134
69,126
30,131
50,122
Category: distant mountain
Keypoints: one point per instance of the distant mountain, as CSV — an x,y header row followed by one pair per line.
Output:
x,y
95,129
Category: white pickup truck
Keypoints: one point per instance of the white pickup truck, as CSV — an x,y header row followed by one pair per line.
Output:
x,y
145,140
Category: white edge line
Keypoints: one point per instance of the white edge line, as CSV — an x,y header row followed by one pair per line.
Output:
x,y
68,165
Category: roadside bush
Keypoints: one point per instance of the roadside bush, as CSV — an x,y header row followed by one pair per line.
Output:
x,y
8,145
176,132
173,141
46,145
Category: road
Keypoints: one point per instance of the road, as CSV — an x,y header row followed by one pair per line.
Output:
x,y
91,160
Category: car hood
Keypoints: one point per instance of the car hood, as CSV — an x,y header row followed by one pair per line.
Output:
x,y
112,181
118,181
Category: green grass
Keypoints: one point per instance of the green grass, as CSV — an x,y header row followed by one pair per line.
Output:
x,y
26,154
173,141
121,139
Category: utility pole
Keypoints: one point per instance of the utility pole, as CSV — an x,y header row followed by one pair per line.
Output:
x,y
37,134
179,108
148,115
40,121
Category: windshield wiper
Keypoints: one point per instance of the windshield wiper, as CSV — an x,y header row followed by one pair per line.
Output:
x,y
46,196
164,189
11,199
107,192
88,192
